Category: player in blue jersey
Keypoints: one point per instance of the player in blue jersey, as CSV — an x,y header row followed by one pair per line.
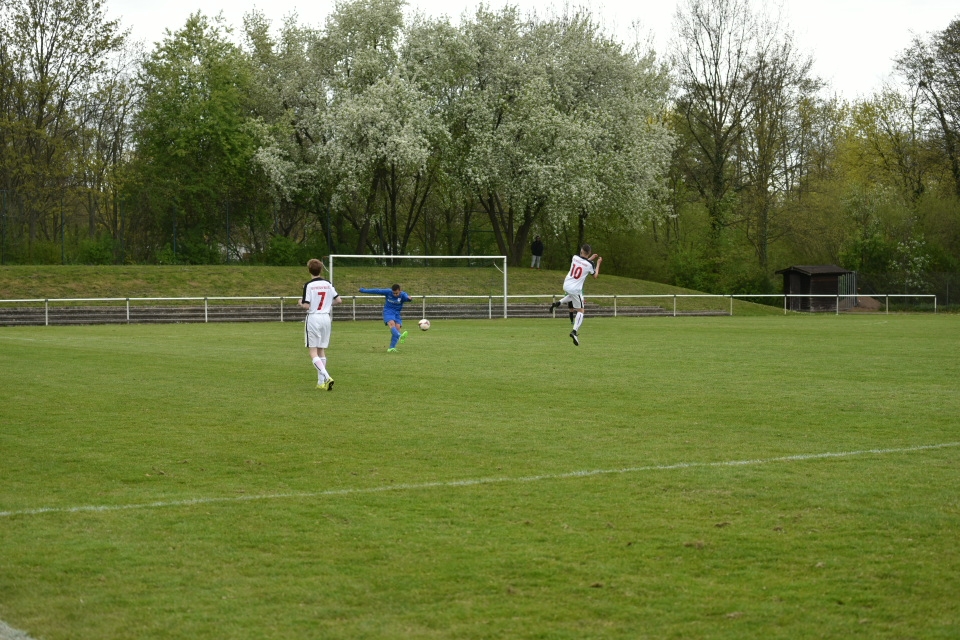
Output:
x,y
395,299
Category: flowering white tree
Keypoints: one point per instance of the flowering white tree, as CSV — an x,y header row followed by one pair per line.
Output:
x,y
614,100
395,126
556,120
379,142
290,90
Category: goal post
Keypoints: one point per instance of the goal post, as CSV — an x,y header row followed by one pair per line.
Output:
x,y
499,263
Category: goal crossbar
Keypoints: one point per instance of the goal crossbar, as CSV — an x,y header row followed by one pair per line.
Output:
x,y
334,256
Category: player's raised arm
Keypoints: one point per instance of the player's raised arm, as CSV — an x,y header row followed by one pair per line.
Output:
x,y
596,272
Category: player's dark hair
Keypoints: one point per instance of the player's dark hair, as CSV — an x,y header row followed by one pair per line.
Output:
x,y
314,266
586,249
395,287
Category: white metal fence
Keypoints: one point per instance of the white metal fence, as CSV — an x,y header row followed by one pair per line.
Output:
x,y
54,311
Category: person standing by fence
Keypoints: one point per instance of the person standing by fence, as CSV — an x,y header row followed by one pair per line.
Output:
x,y
537,250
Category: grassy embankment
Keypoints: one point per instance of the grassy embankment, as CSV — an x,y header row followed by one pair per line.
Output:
x,y
33,282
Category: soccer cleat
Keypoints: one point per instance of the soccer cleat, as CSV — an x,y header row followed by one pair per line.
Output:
x,y
329,384
554,306
322,385
403,337
576,339
392,350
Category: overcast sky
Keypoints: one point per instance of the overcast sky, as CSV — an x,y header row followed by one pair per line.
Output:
x,y
853,42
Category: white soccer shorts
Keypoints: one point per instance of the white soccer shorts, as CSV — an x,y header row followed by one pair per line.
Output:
x,y
317,327
575,298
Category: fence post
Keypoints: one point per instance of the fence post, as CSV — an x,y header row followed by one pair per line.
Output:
x,y
886,298
206,317
281,309
490,308
784,304
731,304
614,306
838,304
424,313
128,310
674,305
46,312
354,307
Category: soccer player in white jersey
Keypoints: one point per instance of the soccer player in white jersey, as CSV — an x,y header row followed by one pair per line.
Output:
x,y
582,266
318,299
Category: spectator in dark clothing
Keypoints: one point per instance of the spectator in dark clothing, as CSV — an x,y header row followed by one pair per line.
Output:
x,y
537,250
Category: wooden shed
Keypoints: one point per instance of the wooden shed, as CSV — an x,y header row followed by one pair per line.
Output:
x,y
822,282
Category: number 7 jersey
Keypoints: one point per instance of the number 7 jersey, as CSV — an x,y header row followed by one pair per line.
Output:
x,y
319,294
580,268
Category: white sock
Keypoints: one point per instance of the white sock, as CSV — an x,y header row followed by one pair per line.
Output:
x,y
323,363
321,369
578,321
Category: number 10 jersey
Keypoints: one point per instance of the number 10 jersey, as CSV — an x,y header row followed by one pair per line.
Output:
x,y
580,268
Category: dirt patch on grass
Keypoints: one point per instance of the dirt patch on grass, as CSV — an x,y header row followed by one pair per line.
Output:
x,y
866,303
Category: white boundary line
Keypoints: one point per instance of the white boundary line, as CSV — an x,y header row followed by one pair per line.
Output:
x,y
9,633
470,482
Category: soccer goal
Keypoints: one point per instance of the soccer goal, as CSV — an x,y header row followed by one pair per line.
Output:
x,y
474,280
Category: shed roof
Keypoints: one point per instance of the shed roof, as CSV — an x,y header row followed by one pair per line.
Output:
x,y
817,270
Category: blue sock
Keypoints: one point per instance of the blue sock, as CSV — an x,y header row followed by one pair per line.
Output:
x,y
394,338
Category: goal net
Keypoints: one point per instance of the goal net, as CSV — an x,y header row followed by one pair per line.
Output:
x,y
439,285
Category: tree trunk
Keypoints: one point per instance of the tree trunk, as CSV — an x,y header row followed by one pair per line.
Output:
x,y
581,228
511,240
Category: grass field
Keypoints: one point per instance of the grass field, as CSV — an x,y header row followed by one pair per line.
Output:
x,y
669,478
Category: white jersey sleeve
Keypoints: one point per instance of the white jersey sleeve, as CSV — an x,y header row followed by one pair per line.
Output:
x,y
319,294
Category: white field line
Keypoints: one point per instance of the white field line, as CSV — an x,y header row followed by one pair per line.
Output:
x,y
9,633
470,482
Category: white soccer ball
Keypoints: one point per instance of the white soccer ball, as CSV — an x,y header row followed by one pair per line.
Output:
x,y
424,324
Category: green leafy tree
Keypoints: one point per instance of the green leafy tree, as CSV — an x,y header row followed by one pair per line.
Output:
x,y
714,43
194,143
772,153
436,59
933,67
897,150
289,92
53,55
106,115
